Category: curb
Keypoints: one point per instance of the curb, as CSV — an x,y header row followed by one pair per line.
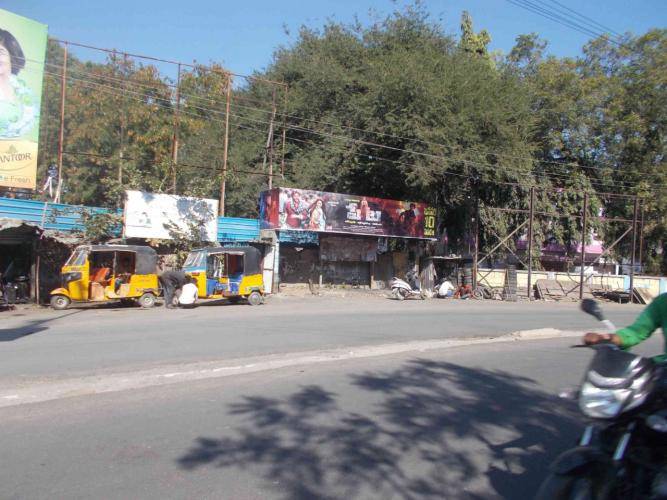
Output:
x,y
38,391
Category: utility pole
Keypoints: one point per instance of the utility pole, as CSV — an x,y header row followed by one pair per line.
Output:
x,y
583,247
268,151
641,239
174,142
282,160
531,215
61,138
634,246
223,181
123,118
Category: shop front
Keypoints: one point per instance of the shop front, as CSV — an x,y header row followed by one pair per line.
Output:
x,y
340,239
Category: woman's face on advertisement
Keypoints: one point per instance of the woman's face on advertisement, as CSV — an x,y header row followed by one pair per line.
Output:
x,y
318,203
5,62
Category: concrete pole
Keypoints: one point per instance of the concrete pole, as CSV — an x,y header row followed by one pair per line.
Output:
x,y
61,137
531,215
583,246
634,246
174,142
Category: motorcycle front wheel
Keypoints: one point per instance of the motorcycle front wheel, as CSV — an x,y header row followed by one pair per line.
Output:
x,y
582,486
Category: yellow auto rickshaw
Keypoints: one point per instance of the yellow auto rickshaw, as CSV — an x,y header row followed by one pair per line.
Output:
x,y
101,273
232,273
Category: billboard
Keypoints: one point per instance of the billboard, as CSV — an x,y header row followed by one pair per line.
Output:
x,y
163,216
303,210
22,51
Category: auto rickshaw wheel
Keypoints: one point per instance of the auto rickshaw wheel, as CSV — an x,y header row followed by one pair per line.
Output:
x,y
60,302
255,298
147,300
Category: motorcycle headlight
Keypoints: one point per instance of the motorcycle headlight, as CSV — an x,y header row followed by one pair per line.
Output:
x,y
601,403
598,402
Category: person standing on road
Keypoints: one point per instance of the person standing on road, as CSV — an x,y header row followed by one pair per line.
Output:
x,y
172,281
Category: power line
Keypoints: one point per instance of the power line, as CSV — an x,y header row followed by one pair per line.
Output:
x,y
562,20
591,21
560,164
477,164
142,97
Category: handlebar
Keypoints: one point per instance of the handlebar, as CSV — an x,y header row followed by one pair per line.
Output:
x,y
603,343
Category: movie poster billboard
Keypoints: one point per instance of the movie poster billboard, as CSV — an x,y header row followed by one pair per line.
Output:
x,y
22,52
303,210
163,216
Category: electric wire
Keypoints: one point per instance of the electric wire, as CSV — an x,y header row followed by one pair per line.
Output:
x,y
561,164
114,91
563,20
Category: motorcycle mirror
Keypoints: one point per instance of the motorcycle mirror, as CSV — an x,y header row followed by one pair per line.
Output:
x,y
593,308
569,393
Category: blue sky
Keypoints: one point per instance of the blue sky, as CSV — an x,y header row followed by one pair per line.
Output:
x,y
243,35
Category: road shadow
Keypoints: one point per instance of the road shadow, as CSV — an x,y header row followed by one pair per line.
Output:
x,y
32,327
215,302
435,430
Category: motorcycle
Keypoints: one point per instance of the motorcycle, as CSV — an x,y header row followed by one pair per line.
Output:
x,y
4,300
17,291
402,290
15,287
622,453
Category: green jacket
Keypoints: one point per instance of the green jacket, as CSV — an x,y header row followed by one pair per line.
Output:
x,y
652,318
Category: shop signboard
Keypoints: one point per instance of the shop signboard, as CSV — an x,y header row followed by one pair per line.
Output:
x,y
165,216
304,210
22,51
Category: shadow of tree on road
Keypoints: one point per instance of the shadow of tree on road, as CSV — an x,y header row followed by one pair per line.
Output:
x,y
434,430
30,328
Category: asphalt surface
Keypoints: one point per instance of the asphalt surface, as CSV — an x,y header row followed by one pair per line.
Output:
x,y
45,343
475,422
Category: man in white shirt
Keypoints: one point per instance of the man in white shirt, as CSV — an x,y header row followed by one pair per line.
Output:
x,y
189,294
446,289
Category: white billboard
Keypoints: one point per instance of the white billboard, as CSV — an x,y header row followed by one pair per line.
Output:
x,y
165,216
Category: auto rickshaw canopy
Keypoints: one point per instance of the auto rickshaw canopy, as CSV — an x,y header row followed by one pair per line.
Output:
x,y
251,256
145,260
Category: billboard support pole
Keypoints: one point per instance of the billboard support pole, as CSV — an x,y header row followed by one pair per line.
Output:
x,y
61,137
223,181
174,142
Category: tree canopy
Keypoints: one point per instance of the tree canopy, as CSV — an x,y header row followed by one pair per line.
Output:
x,y
397,109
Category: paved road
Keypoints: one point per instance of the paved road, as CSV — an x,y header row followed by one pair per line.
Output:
x,y
46,343
476,422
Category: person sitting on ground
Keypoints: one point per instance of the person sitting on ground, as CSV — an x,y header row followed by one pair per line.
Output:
x,y
446,289
172,281
463,292
654,316
189,294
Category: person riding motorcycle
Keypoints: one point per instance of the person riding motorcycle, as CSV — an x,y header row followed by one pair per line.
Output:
x,y
653,317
